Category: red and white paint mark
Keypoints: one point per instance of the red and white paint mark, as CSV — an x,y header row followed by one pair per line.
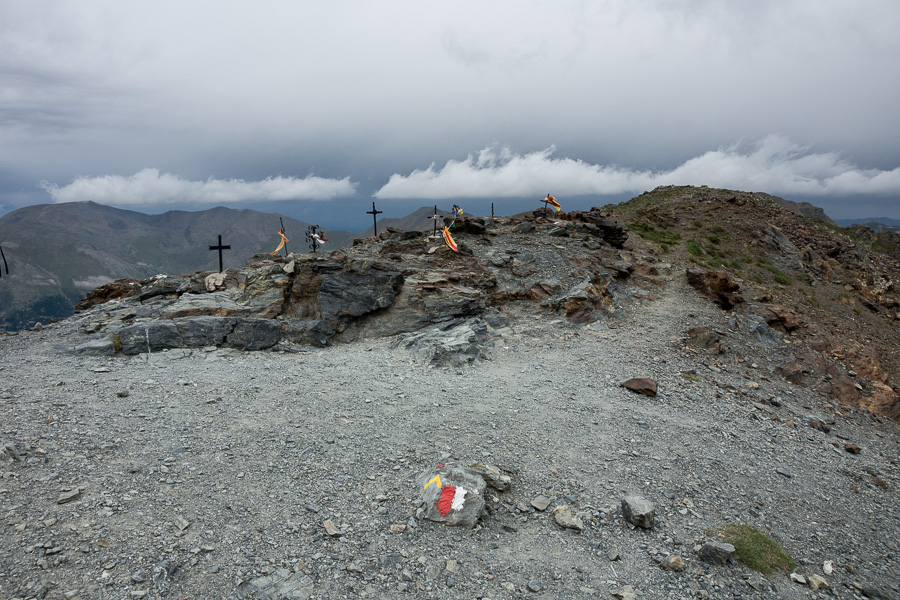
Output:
x,y
452,498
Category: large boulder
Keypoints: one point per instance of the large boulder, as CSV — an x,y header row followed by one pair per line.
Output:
x,y
717,285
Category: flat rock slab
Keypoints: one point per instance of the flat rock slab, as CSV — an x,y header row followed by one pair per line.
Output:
x,y
641,385
280,585
716,553
452,494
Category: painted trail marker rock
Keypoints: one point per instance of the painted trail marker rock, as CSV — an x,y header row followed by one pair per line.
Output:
x,y
451,494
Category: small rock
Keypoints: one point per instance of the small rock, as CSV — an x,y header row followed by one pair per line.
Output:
x,y
123,393
69,496
331,529
638,511
817,582
181,523
624,593
535,586
541,503
798,578
613,555
673,562
564,518
828,567
784,472
852,448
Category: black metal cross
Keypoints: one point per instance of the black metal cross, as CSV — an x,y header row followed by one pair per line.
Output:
x,y
220,247
374,212
312,233
434,217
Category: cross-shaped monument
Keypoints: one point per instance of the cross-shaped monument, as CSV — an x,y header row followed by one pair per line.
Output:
x,y
220,247
374,212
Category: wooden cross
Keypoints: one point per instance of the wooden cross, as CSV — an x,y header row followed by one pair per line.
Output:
x,y
374,212
220,247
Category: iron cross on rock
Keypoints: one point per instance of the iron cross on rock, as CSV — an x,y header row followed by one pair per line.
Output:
x,y
220,247
374,212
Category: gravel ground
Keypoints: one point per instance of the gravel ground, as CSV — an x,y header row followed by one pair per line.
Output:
x,y
210,473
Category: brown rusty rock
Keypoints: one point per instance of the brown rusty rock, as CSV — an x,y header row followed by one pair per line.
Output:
x,y
120,288
843,390
641,385
718,285
780,316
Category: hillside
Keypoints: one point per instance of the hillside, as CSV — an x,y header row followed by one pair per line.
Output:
x,y
716,356
58,252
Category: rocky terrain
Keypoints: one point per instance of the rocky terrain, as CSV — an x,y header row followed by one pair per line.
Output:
x,y
263,433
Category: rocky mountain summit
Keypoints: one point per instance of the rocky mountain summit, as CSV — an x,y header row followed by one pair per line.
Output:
x,y
603,396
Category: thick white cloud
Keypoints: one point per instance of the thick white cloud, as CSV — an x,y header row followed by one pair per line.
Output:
x,y
774,164
149,187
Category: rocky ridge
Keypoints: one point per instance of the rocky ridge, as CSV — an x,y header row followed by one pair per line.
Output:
x,y
198,469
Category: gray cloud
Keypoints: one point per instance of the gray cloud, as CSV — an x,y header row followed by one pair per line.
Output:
x,y
629,93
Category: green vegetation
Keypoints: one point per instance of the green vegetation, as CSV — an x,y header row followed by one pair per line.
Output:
x,y
755,549
813,301
116,342
698,224
660,236
694,248
714,239
780,277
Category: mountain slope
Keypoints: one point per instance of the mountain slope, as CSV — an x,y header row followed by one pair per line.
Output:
x,y
58,252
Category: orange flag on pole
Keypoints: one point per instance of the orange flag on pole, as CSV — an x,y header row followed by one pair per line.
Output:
x,y
283,240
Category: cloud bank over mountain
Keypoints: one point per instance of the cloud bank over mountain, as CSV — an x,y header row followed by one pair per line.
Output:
x,y
149,187
774,164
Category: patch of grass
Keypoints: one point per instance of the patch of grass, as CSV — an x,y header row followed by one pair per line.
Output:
x,y
714,239
694,248
735,265
698,224
812,300
690,376
660,236
857,311
116,342
780,277
846,299
698,261
755,549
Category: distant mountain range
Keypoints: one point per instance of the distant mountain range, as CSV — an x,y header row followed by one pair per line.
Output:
x,y
877,224
58,252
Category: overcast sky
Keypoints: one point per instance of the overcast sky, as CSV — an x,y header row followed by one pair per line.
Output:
x,y
319,108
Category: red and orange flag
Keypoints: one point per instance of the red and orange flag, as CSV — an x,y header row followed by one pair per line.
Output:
x,y
552,202
449,240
